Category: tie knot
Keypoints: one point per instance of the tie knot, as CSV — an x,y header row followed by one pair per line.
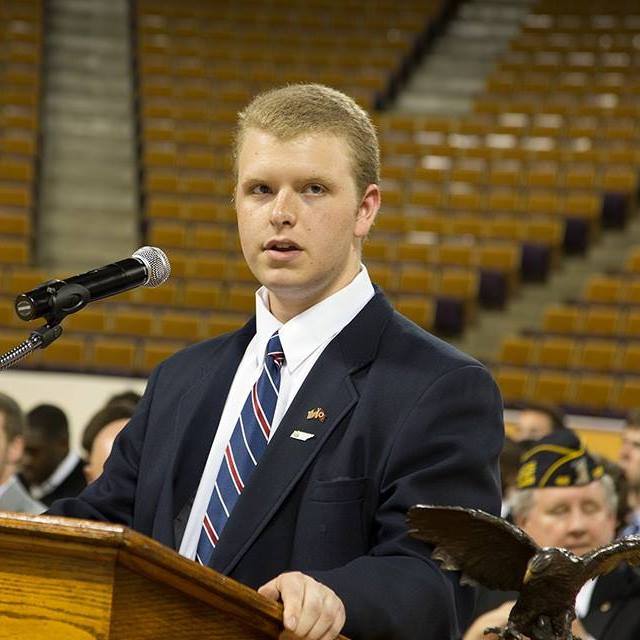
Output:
x,y
274,349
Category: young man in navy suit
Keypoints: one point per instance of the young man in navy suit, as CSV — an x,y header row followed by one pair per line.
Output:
x,y
372,415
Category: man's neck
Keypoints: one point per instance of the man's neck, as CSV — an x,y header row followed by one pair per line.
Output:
x,y
6,474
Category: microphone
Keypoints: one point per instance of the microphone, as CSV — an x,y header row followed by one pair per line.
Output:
x,y
147,267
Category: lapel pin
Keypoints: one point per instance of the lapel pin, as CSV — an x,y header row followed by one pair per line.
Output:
x,y
316,414
301,435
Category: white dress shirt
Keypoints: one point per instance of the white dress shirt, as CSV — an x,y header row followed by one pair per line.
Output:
x,y
303,340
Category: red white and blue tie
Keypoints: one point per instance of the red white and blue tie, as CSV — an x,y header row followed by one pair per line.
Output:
x,y
247,444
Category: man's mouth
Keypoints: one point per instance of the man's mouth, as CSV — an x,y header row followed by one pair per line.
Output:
x,y
283,246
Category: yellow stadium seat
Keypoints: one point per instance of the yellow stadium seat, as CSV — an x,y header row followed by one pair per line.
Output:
x,y
631,358
202,295
114,354
601,320
92,319
513,383
557,352
154,352
598,355
416,280
552,387
561,319
180,326
417,309
518,350
594,392
224,323
604,289
628,394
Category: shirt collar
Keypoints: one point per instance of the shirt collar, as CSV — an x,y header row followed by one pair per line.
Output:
x,y
57,477
312,328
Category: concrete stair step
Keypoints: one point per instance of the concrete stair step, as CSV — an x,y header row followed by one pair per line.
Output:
x,y
74,175
61,104
80,43
451,84
101,25
88,63
432,104
462,47
445,66
77,171
63,149
94,200
85,82
89,126
493,12
114,7
121,225
475,29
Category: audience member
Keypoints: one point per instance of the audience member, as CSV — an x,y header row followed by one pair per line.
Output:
x,y
629,460
13,496
509,465
536,421
616,473
125,398
50,470
99,435
565,499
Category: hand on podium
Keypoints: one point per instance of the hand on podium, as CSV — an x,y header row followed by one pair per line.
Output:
x,y
311,611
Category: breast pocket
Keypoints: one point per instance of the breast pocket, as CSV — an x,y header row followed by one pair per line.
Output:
x,y
331,523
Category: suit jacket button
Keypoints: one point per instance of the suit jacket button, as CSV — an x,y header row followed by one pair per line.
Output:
x,y
605,606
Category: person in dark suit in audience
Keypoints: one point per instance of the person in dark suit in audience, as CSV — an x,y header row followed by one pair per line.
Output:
x,y
629,460
286,454
13,495
48,467
565,499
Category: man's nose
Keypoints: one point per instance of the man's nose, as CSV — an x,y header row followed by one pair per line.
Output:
x,y
284,209
578,522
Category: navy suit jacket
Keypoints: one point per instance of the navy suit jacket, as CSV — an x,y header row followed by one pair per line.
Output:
x,y
408,420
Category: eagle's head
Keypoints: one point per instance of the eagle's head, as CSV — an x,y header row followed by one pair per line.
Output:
x,y
542,561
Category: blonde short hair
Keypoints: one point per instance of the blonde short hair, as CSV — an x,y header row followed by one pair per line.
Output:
x,y
299,109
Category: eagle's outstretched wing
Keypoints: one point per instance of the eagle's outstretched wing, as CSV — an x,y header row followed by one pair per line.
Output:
x,y
486,549
606,559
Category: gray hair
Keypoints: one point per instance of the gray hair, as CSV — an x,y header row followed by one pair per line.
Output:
x,y
522,499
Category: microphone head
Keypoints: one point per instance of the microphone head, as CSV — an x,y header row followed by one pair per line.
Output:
x,y
157,264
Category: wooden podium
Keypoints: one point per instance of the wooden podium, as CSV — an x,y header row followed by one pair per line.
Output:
x,y
64,579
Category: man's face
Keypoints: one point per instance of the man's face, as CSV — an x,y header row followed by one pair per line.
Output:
x,y
576,518
41,456
101,448
532,425
629,457
4,448
300,216
10,451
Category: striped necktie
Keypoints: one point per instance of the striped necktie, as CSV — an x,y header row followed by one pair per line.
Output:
x,y
247,444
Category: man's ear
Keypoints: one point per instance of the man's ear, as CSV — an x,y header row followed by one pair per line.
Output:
x,y
15,449
367,211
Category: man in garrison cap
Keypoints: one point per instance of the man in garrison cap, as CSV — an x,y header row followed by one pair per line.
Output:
x,y
564,498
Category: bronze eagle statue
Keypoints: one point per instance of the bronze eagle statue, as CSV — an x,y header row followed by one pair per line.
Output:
x,y
491,551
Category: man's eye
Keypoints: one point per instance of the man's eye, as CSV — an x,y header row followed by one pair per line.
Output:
x,y
260,189
315,189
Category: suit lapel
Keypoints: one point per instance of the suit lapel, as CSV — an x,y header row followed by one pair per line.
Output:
x,y
328,386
